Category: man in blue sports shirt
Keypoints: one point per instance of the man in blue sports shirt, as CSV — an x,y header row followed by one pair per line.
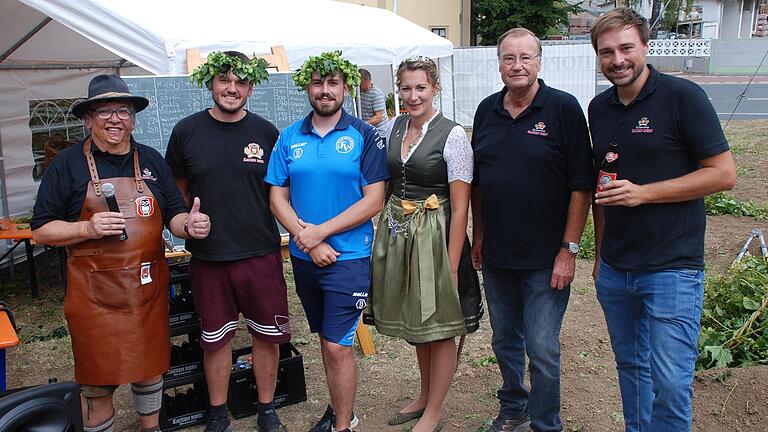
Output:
x,y
328,173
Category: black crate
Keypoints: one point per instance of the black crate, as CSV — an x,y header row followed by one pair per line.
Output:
x,y
184,405
243,399
186,359
181,310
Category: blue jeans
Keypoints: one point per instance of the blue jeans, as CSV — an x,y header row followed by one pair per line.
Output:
x,y
653,319
526,315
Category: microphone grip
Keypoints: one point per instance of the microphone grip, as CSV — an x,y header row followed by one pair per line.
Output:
x,y
113,207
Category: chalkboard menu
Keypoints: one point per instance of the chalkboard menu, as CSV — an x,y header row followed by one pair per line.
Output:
x,y
171,98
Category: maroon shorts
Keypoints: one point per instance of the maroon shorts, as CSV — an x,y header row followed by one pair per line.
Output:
x,y
254,287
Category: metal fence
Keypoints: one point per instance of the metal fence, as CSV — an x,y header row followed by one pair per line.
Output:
x,y
679,47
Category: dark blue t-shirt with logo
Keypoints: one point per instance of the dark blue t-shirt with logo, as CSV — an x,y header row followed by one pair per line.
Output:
x,y
662,134
224,164
326,175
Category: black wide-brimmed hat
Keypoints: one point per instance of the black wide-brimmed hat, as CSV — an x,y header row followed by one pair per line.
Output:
x,y
104,88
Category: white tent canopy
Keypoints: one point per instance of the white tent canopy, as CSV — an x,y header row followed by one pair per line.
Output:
x,y
49,49
155,34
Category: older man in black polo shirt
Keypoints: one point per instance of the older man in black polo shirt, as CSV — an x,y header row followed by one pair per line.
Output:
x,y
649,276
530,198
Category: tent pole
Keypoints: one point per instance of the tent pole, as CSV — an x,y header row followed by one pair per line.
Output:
x,y
453,89
25,38
58,66
119,65
396,97
440,95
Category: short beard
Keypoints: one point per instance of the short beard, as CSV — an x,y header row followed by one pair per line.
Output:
x,y
326,111
228,110
635,75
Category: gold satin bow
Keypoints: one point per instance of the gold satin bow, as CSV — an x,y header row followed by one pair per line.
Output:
x,y
410,207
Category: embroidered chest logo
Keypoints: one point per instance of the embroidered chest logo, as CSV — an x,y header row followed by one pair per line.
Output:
x,y
297,152
253,153
146,174
538,129
145,206
643,126
380,143
345,144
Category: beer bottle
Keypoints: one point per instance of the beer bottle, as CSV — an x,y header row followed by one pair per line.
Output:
x,y
610,168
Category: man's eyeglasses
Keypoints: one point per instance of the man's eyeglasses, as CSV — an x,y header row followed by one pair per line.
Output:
x,y
106,114
524,59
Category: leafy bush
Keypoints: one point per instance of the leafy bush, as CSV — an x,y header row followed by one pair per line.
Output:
x,y
724,203
734,320
587,242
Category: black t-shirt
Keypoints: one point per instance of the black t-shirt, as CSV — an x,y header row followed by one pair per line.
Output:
x,y
526,169
662,134
224,165
64,186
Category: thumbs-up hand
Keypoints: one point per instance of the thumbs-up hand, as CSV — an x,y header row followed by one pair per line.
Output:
x,y
198,224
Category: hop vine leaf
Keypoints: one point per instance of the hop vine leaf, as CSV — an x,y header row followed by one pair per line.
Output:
x,y
255,71
328,63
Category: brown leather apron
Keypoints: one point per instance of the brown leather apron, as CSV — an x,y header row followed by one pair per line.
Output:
x,y
117,291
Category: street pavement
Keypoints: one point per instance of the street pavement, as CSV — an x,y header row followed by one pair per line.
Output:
x,y
730,95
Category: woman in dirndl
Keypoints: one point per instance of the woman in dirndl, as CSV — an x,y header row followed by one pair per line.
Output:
x,y
424,288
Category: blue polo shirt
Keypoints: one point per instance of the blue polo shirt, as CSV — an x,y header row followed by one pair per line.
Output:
x,y
662,134
326,176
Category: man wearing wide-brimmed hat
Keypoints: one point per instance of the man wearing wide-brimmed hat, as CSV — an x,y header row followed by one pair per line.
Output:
x,y
117,277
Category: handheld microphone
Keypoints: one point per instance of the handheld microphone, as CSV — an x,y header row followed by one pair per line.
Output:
x,y
109,195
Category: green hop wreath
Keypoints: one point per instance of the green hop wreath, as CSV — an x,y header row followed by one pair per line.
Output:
x,y
328,63
255,71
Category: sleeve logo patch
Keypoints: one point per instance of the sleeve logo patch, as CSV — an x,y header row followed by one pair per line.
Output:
x,y
253,153
345,144
145,206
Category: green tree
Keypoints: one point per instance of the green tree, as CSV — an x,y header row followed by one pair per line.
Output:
x,y
491,18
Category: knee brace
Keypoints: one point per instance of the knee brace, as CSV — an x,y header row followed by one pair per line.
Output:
x,y
148,398
107,426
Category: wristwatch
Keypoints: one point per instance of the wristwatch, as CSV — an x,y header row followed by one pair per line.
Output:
x,y
571,247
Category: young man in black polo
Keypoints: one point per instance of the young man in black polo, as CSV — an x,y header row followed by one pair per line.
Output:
x,y
649,224
221,155
530,198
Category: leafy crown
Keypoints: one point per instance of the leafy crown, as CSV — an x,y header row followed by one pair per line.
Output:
x,y
255,71
328,63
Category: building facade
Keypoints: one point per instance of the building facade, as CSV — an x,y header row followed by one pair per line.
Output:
x,y
447,18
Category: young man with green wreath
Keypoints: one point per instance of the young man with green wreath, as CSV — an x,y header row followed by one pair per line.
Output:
x,y
221,155
327,173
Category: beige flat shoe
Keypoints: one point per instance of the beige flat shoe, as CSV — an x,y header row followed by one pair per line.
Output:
x,y
400,418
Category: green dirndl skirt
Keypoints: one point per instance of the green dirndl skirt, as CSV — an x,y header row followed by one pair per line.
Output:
x,y
412,293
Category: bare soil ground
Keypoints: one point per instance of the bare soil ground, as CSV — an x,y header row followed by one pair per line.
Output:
x,y
724,400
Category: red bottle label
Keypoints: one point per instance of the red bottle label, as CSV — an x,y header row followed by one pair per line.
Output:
x,y
604,178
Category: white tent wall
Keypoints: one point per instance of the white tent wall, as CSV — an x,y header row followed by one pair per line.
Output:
x,y
17,88
570,68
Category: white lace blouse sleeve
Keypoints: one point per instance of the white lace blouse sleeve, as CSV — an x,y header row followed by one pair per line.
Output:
x,y
458,156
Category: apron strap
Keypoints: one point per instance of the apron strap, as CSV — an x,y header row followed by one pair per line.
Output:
x,y
95,173
92,166
137,171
